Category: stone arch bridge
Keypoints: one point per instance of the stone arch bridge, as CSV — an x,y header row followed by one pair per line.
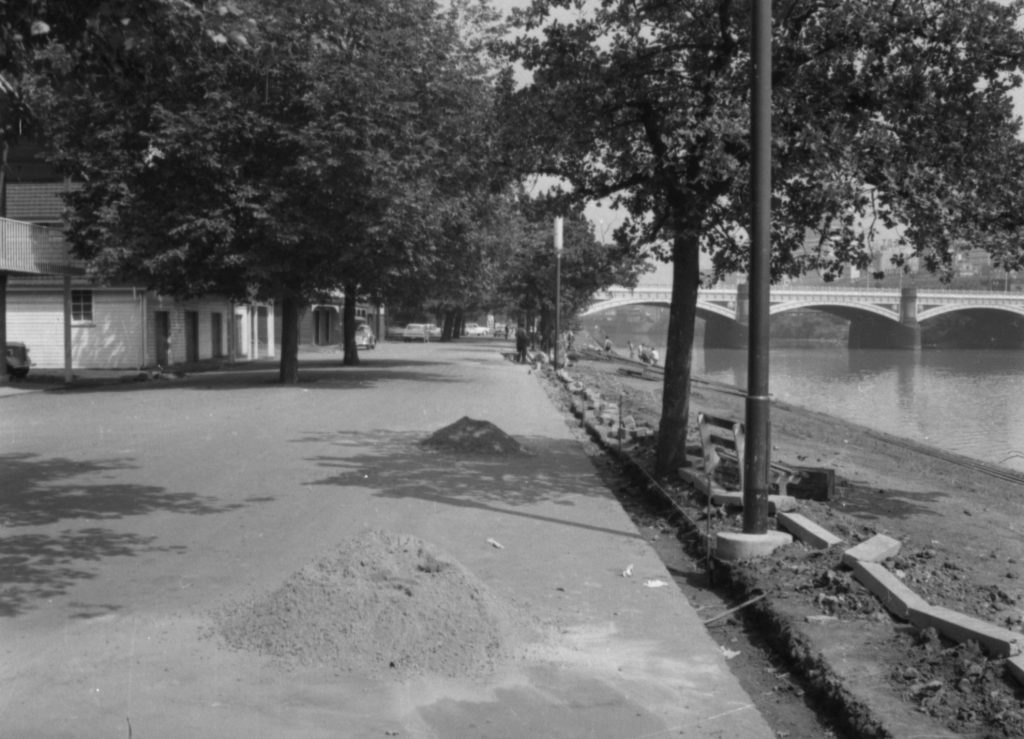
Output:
x,y
879,317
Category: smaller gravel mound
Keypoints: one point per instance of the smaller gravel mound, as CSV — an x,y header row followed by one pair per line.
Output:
x,y
469,436
383,603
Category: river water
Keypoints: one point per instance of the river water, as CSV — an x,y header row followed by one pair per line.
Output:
x,y
966,401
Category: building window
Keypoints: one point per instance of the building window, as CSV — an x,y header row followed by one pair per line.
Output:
x,y
81,305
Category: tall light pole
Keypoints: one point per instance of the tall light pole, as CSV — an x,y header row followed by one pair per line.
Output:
x,y
756,464
558,285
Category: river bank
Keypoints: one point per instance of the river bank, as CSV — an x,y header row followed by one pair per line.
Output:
x,y
960,524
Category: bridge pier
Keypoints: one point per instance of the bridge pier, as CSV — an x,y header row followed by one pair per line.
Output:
x,y
721,333
879,333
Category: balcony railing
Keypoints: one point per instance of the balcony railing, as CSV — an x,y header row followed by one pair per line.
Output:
x,y
35,250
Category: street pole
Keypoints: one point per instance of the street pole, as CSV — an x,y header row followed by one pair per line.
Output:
x,y
756,462
558,285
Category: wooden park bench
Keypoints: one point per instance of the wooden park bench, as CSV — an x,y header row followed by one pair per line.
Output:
x,y
722,443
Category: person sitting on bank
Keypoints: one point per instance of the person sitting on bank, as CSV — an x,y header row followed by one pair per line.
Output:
x,y
607,344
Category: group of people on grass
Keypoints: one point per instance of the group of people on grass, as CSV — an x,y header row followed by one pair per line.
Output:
x,y
646,354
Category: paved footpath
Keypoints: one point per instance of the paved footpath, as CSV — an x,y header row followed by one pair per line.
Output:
x,y
130,511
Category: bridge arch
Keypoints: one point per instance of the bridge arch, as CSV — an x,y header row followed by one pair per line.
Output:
x,y
941,310
845,310
622,303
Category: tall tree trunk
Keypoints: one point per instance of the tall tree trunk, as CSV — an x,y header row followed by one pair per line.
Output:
x,y
447,324
675,404
348,327
291,309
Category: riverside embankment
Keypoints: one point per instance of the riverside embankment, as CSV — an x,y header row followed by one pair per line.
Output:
x,y
961,525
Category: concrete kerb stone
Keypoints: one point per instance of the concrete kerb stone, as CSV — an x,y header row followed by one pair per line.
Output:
x,y
876,549
897,598
957,626
1016,665
807,530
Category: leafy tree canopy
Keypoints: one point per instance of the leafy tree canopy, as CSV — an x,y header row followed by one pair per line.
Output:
x,y
257,148
883,113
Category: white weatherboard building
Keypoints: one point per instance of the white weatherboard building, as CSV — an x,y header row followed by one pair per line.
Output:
x,y
131,328
68,321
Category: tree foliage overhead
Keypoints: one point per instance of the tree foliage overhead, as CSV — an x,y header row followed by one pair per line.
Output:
x,y
526,282
263,149
884,113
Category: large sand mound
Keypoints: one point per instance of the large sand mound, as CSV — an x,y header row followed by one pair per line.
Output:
x,y
382,602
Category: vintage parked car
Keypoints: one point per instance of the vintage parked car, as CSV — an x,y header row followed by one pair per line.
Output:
x,y
17,359
365,338
416,332
475,329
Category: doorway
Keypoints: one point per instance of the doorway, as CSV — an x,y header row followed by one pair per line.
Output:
x,y
191,336
163,337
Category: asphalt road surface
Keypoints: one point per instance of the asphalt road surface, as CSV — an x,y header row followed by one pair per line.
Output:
x,y
130,512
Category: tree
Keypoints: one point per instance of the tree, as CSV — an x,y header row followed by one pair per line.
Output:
x,y
261,150
527,274
884,113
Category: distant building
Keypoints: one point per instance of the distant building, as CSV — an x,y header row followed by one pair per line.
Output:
x,y
115,326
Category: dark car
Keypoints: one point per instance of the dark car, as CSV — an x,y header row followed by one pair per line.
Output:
x,y
17,359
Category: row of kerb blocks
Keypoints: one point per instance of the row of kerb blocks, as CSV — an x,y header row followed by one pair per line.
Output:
x,y
604,419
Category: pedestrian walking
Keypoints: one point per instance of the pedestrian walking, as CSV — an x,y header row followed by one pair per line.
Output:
x,y
521,343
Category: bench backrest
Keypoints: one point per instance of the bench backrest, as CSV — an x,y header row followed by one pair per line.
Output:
x,y
721,438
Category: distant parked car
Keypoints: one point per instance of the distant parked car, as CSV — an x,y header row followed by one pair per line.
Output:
x,y
365,338
475,329
416,332
17,359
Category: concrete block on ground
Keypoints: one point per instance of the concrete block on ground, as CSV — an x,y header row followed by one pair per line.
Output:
x,y
734,499
959,627
1016,665
897,598
813,483
807,530
695,477
781,503
876,549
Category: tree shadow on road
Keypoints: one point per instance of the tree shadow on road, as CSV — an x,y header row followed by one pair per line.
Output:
x,y
325,375
554,472
41,492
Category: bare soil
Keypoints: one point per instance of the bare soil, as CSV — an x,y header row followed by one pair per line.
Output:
x,y
832,643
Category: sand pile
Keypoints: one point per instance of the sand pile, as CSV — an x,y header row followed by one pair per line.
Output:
x,y
382,602
469,436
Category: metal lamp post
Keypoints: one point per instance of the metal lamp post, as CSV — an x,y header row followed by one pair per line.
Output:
x,y
558,285
755,493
